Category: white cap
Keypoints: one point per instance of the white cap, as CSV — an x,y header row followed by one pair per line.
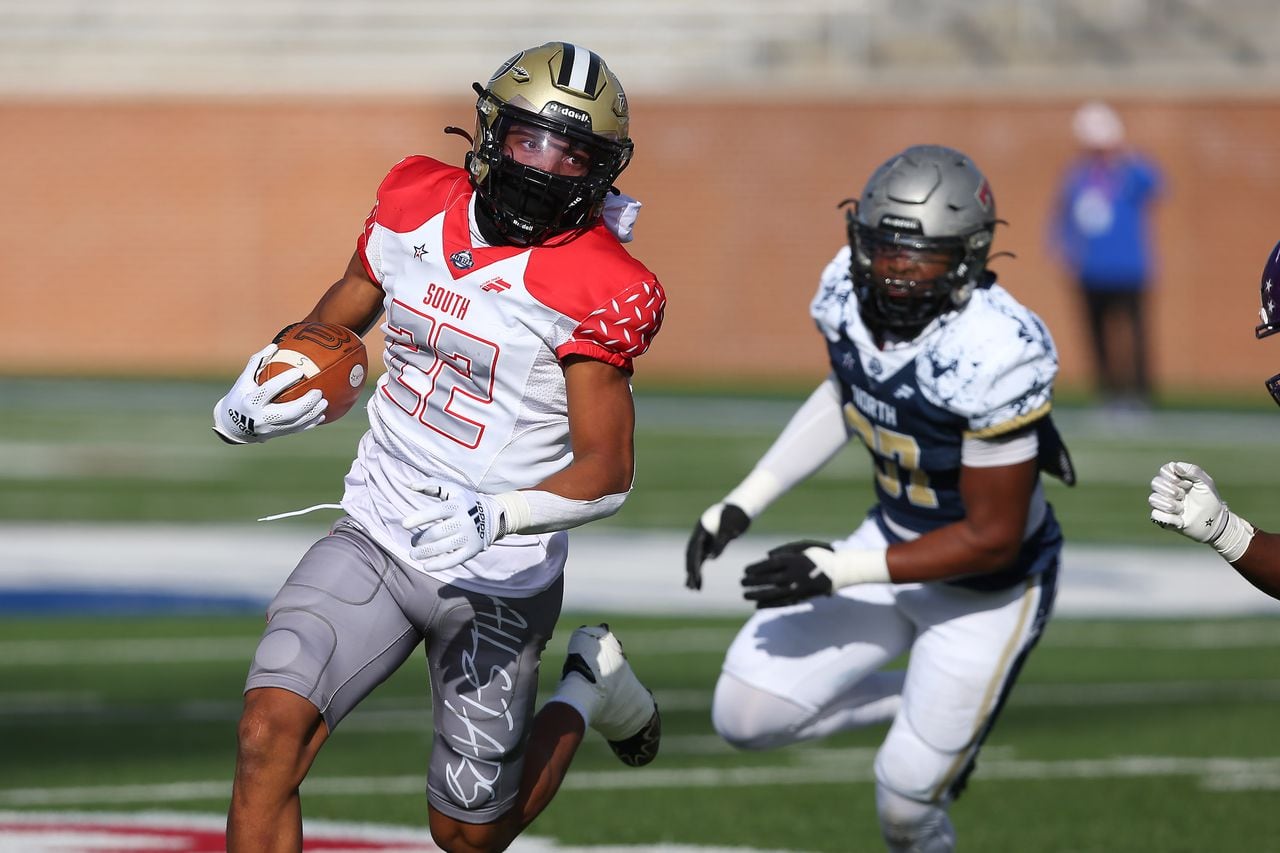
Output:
x,y
1096,125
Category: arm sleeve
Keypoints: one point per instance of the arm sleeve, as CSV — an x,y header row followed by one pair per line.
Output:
x,y
1002,450
533,511
815,433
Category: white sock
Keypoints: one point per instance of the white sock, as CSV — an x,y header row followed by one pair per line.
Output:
x,y
579,694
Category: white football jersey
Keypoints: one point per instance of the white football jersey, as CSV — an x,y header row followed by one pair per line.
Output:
x,y
474,392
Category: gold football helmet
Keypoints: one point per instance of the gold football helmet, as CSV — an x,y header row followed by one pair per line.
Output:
x,y
551,138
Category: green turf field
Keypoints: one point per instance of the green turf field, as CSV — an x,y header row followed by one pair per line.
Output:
x,y
130,451
1123,736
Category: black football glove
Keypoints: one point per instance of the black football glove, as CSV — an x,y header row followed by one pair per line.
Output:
x,y
786,576
703,544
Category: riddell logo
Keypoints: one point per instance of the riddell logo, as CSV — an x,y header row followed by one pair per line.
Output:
x,y
495,285
568,112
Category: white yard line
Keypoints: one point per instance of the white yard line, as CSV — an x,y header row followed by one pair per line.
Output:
x,y
608,571
384,715
1062,634
1212,773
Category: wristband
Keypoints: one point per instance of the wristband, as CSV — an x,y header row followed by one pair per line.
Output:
x,y
852,565
1234,538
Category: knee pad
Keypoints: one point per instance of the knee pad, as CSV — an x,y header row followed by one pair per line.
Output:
x,y
910,826
911,767
293,653
750,718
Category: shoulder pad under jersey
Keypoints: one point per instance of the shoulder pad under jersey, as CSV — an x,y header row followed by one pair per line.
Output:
x,y
832,304
993,363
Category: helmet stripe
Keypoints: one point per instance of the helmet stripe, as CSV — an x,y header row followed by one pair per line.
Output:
x,y
579,70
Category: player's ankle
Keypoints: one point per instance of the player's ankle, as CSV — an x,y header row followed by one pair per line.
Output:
x,y
578,693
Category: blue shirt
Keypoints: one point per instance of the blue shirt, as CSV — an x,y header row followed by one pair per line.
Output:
x,y
1102,221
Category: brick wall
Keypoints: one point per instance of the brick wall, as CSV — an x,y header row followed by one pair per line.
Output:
x,y
125,224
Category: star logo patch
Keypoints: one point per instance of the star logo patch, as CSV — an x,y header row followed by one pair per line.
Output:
x,y
419,251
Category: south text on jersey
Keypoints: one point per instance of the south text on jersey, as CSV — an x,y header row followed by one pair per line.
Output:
x,y
446,301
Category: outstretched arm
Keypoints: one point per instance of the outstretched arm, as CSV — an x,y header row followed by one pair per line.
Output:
x,y
815,433
1185,498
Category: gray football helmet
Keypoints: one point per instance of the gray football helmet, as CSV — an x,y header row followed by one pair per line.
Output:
x,y
930,205
565,91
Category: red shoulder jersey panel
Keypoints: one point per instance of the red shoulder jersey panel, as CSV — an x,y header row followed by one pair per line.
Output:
x,y
591,279
416,189
616,300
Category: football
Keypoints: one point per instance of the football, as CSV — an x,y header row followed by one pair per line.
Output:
x,y
332,358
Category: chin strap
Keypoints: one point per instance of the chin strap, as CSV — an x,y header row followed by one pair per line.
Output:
x,y
457,131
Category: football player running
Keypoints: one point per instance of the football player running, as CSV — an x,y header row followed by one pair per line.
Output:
x,y
1185,498
512,316
947,380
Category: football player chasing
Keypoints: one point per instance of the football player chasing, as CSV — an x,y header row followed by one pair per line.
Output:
x,y
1185,498
947,380
512,316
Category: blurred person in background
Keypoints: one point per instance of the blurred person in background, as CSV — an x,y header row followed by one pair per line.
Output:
x,y
948,381
1185,498
513,315
1100,229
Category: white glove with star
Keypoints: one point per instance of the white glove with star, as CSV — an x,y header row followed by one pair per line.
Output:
x,y
1184,498
457,525
246,414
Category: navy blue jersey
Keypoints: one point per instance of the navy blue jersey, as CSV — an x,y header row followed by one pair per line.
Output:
x,y
982,372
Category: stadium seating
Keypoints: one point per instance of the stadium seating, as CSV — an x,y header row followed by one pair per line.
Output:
x,y
398,46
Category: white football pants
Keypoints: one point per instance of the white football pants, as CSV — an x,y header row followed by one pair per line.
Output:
x,y
801,672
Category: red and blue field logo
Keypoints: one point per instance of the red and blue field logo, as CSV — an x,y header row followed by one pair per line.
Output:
x,y
154,832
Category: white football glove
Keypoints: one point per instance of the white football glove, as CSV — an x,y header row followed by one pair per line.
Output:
x,y
246,414
1184,498
456,526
